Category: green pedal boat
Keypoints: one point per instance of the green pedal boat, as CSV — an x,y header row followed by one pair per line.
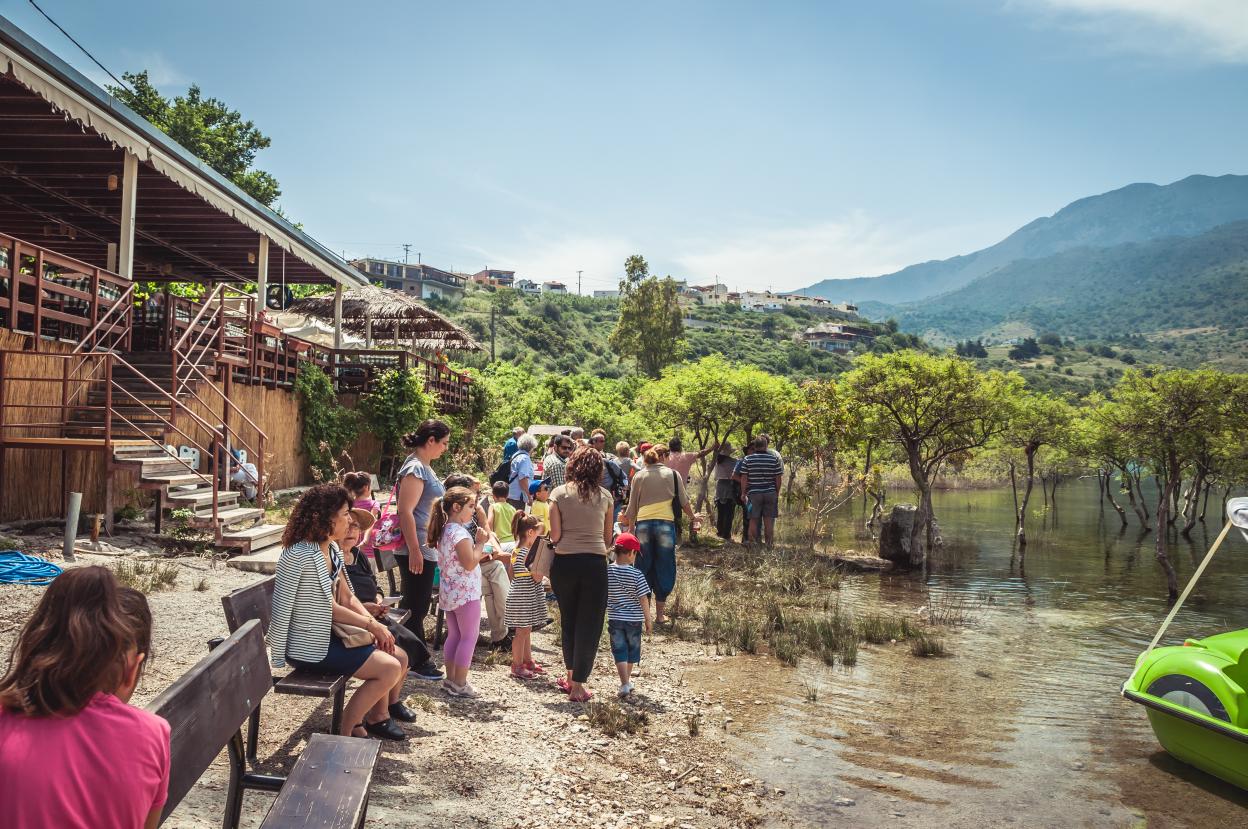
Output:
x,y
1196,695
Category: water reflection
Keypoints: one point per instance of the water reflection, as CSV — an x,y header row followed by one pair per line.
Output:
x,y
1025,724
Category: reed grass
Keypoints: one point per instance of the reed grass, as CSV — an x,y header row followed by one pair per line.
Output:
x,y
146,576
925,644
611,719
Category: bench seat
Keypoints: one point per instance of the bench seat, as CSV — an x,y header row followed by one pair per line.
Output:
x,y
307,684
328,787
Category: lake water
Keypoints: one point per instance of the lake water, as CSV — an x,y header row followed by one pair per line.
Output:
x,y
1023,725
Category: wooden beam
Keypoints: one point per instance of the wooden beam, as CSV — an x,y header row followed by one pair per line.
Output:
x,y
262,272
338,315
129,190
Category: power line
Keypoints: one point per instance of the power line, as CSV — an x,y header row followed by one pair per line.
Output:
x,y
80,46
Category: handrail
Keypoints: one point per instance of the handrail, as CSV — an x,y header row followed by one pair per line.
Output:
x,y
191,325
126,295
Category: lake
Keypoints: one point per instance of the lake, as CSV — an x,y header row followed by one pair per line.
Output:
x,y
1023,725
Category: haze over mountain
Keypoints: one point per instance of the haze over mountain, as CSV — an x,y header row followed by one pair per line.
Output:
x,y
1135,213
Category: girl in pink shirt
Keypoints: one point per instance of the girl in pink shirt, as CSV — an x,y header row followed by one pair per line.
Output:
x,y
73,753
459,557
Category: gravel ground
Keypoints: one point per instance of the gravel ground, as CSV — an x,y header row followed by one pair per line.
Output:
x,y
520,756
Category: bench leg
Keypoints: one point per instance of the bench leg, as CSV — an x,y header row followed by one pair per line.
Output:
x,y
335,720
363,812
438,638
253,736
234,797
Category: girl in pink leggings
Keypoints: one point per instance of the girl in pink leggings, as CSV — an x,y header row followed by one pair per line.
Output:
x,y
459,593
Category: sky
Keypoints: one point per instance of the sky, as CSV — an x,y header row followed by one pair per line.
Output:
x,y
767,144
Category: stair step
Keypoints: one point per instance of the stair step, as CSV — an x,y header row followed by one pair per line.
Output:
x,y
172,479
263,561
261,535
234,515
202,497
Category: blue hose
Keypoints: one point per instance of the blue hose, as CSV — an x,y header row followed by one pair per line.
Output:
x,y
19,568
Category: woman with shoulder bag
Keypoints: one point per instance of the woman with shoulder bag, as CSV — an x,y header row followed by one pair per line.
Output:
x,y
580,529
418,487
315,613
650,513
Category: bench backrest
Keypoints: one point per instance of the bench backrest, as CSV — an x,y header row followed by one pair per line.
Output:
x,y
386,563
255,601
207,705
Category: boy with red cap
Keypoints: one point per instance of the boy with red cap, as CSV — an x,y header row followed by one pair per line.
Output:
x,y
627,612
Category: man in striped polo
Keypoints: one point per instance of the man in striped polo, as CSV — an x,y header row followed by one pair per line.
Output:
x,y
759,475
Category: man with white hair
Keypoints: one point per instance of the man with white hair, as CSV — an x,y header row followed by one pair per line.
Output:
x,y
521,471
509,448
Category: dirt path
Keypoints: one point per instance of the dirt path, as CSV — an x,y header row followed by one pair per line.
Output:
x,y
521,756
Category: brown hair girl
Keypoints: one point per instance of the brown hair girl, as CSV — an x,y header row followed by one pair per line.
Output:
x,y
357,483
584,471
75,645
523,522
313,516
454,498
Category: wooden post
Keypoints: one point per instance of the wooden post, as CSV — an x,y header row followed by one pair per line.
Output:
x,y
338,316
262,272
38,300
368,333
129,189
110,258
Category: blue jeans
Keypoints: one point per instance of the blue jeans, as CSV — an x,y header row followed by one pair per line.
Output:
x,y
657,559
625,641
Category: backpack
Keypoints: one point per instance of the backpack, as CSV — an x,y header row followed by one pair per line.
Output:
x,y
618,479
503,473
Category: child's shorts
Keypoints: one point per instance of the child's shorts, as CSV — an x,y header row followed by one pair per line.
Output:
x,y
625,641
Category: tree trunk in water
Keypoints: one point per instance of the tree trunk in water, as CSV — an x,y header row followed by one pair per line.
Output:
x,y
1014,489
1198,484
1109,496
866,474
1205,505
1021,517
1100,489
1136,503
1164,503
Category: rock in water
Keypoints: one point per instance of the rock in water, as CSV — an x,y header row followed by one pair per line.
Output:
x,y
895,533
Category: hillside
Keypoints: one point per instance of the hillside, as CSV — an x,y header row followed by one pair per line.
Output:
x,y
570,334
1135,213
1162,289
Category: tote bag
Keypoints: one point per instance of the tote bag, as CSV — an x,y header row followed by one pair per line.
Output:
x,y
540,558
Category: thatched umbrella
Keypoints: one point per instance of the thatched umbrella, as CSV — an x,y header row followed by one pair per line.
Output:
x,y
376,312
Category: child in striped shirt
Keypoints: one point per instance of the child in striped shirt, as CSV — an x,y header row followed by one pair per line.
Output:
x,y
627,614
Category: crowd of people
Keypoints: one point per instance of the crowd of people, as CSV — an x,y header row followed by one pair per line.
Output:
x,y
609,521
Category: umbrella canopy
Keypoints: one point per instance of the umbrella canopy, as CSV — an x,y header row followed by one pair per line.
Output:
x,y
389,315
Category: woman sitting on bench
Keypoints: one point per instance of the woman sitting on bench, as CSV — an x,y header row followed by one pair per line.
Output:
x,y
72,752
314,609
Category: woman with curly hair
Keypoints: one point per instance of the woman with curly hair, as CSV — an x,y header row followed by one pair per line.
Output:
x,y
64,706
580,528
311,594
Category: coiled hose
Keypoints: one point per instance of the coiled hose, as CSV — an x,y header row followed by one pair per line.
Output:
x,y
19,568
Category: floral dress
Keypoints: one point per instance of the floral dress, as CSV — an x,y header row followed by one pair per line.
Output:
x,y
457,586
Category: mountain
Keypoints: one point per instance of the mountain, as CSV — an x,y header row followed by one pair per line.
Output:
x,y
1135,213
1176,284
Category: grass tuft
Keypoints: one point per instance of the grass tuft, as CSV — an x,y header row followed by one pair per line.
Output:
x,y
146,576
925,644
811,691
611,719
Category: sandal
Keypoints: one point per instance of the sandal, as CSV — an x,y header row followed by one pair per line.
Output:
x,y
535,668
588,696
562,682
522,673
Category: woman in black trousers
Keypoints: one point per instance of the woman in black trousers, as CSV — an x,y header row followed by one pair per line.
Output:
x,y
581,527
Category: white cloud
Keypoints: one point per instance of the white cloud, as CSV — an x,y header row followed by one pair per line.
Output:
x,y
1209,30
599,258
160,70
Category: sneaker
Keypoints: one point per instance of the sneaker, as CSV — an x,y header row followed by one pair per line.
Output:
x,y
636,669
626,689
428,672
466,690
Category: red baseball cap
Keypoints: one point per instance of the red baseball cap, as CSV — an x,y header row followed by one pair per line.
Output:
x,y
628,541
642,447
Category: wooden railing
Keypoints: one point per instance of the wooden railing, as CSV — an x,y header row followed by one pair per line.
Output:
x,y
60,298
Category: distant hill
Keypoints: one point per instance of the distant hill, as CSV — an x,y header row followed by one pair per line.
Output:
x,y
1135,213
1175,284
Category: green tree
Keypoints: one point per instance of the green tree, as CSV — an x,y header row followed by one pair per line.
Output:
x,y
328,426
208,128
650,328
396,405
1036,420
934,410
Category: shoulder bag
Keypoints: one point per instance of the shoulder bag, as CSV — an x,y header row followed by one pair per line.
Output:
x,y
352,636
387,535
541,557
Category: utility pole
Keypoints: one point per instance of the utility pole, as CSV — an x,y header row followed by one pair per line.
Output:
x,y
406,249
578,283
492,311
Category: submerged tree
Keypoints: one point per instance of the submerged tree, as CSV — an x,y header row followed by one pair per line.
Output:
x,y
1036,420
934,410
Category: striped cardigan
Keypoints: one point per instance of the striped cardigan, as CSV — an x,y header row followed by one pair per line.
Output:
x,y
299,627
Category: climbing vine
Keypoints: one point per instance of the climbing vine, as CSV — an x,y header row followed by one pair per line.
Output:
x,y
328,426
396,405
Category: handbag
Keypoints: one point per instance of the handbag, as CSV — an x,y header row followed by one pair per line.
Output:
x,y
540,558
387,534
351,636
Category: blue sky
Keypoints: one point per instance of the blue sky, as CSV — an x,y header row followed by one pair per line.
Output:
x,y
772,144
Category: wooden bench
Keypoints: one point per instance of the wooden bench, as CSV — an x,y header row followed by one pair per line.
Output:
x,y
387,563
330,782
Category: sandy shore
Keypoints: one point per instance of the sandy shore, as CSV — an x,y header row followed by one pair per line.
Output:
x,y
521,756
